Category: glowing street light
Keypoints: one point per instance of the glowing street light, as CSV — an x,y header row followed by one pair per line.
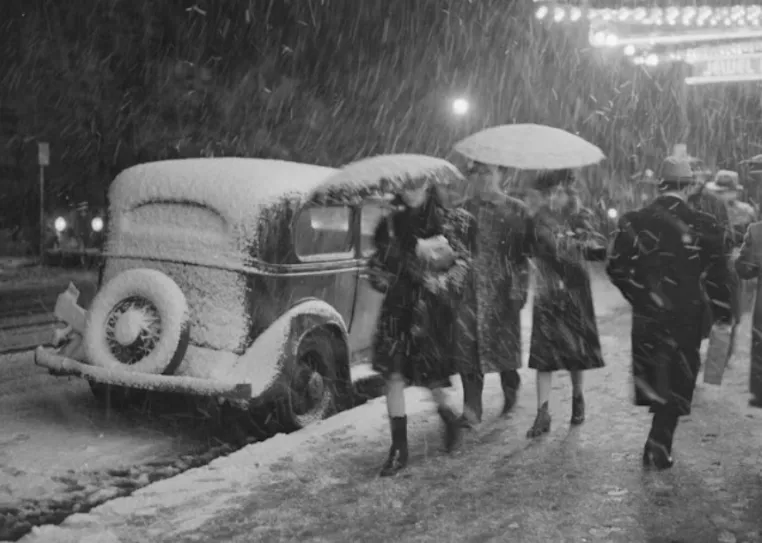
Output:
x,y
59,224
460,106
96,224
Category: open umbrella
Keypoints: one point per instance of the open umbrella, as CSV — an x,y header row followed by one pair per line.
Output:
x,y
529,147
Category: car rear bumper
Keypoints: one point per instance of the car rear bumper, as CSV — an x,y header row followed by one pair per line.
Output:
x,y
62,365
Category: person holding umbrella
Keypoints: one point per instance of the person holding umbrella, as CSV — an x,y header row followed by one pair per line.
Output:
x,y
564,329
507,239
659,258
498,290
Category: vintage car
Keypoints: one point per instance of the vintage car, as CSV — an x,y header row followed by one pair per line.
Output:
x,y
241,279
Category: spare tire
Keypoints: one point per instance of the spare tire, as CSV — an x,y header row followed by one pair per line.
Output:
x,y
138,321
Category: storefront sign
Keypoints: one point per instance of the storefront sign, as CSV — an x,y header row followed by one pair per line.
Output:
x,y
717,70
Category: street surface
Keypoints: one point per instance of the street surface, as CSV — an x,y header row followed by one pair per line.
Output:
x,y
577,485
53,428
27,299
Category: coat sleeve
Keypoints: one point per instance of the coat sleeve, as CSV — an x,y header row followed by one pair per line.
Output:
x,y
622,266
747,263
584,229
719,279
540,245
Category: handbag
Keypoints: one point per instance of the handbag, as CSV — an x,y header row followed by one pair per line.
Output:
x,y
718,353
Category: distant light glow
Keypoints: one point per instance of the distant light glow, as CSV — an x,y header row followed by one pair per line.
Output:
x,y
59,224
612,213
629,50
97,224
652,60
460,106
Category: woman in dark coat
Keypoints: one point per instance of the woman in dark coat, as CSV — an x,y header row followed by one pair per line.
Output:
x,y
420,252
564,330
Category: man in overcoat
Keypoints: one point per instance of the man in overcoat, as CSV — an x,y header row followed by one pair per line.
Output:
x,y
663,258
749,266
490,336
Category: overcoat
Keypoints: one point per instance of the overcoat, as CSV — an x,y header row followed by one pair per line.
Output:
x,y
749,266
663,259
564,329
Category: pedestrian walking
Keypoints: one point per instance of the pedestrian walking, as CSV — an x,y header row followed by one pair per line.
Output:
x,y
489,339
419,249
658,260
713,198
749,266
564,330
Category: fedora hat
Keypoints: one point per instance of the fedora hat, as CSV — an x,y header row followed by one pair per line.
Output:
x,y
724,181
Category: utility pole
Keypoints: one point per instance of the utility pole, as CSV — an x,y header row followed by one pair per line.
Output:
x,y
43,159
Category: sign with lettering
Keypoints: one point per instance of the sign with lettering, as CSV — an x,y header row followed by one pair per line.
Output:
x,y
43,153
720,69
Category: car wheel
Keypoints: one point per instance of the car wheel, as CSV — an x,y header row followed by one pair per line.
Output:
x,y
138,321
312,389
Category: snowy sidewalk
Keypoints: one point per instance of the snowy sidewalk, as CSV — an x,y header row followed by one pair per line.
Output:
x,y
578,485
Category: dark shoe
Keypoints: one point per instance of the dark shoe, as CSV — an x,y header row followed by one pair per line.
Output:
x,y
473,386
452,428
398,453
657,455
541,422
578,410
511,383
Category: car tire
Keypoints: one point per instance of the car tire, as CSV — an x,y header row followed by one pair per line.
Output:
x,y
312,388
162,331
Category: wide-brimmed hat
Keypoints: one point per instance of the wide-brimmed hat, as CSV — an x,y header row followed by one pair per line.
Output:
x,y
676,171
724,181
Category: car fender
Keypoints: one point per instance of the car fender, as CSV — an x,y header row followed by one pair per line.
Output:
x,y
274,351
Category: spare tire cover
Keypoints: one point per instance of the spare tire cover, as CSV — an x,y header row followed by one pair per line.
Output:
x,y
138,322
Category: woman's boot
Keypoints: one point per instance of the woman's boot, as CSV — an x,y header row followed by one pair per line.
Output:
x,y
541,422
452,428
473,387
398,454
578,409
510,382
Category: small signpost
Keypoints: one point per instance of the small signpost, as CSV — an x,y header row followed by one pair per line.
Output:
x,y
43,159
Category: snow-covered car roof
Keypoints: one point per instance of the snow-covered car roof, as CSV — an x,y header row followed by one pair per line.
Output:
x,y
239,190
234,187
381,174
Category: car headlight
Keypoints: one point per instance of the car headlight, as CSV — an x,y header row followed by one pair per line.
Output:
x,y
59,224
96,224
612,213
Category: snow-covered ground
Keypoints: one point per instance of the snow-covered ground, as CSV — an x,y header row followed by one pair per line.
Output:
x,y
190,506
52,428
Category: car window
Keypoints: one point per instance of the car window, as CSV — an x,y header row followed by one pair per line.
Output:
x,y
323,233
371,214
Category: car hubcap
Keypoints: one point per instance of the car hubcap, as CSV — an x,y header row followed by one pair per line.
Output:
x,y
133,329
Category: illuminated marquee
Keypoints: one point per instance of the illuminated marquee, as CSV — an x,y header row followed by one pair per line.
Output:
x,y
717,70
723,44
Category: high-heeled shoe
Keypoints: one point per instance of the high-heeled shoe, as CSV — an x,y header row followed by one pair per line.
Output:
x,y
578,410
657,455
541,423
397,459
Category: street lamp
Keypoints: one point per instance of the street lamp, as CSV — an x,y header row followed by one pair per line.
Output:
x,y
460,106
96,224
60,224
